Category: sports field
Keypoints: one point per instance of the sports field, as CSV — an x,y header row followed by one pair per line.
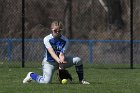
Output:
x,y
102,81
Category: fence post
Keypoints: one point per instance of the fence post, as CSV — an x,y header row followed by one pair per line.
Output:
x,y
23,30
90,50
9,50
131,34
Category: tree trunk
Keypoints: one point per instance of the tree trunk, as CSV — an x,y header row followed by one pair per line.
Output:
x,y
115,13
68,19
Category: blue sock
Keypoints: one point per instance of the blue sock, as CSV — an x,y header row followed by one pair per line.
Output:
x,y
79,70
34,76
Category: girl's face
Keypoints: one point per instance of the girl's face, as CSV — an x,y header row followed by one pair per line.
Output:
x,y
56,31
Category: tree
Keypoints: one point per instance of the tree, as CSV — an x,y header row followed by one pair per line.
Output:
x,y
68,19
114,11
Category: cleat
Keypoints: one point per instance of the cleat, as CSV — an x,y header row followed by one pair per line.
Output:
x,y
84,82
28,78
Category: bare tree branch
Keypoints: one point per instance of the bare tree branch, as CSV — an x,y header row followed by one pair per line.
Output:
x,y
104,6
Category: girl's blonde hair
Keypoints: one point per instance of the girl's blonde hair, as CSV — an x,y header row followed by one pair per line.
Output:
x,y
57,23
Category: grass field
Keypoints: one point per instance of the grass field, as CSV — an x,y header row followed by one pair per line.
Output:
x,y
102,81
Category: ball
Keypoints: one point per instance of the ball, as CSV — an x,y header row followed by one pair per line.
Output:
x,y
64,81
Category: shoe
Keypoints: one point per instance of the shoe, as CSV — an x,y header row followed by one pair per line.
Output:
x,y
28,78
84,82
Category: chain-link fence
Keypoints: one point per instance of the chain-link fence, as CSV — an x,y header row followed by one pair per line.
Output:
x,y
99,31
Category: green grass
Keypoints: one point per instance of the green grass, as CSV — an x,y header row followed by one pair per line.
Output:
x,y
102,81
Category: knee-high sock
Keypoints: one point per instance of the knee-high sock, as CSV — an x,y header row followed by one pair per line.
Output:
x,y
34,76
79,70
